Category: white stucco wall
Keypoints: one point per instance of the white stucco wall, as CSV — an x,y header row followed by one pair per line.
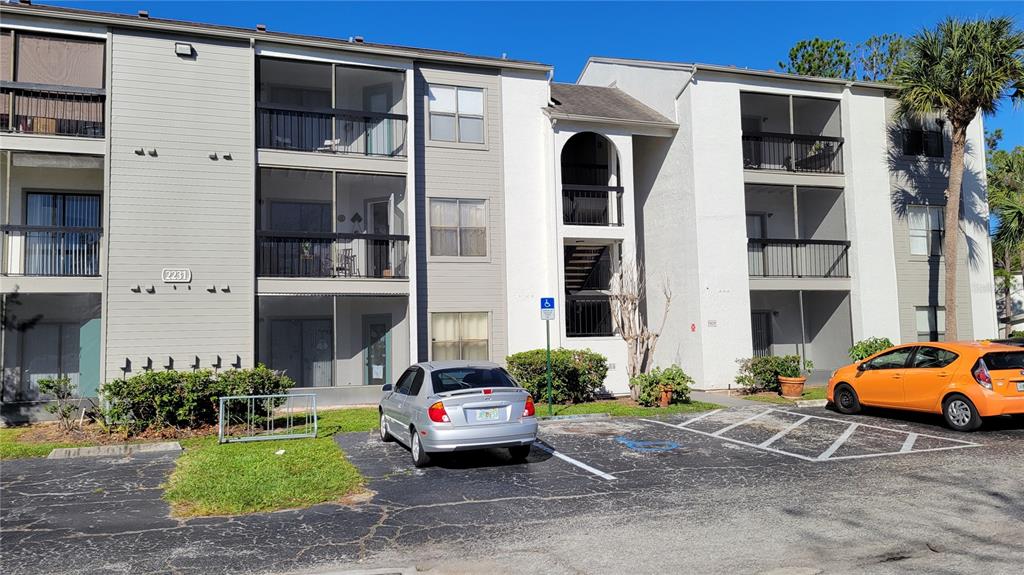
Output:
x,y
531,263
975,222
874,301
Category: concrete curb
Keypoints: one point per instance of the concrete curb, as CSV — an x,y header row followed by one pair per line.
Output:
x,y
113,450
582,416
811,402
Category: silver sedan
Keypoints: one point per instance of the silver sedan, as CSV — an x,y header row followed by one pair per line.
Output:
x,y
457,405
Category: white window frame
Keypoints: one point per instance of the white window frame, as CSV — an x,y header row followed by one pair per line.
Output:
x,y
933,319
458,257
460,339
933,236
458,141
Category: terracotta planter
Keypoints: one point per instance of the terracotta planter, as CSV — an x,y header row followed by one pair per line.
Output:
x,y
792,387
666,397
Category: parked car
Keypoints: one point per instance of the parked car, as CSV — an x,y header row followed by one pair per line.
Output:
x,y
457,405
964,381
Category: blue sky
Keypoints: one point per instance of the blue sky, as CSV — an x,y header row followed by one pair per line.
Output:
x,y
748,34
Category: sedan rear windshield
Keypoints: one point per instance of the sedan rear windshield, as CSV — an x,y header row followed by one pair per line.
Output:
x,y
460,378
1005,360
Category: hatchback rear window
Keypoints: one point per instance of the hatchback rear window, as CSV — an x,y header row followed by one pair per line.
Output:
x,y
1005,360
459,378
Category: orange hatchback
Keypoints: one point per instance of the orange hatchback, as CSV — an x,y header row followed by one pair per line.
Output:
x,y
964,381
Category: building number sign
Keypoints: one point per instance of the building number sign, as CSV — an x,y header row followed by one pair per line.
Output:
x,y
176,275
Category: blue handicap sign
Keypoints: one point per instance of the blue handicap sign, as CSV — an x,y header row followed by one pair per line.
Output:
x,y
547,303
648,446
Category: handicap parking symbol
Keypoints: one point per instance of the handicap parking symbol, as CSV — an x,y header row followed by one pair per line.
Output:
x,y
647,446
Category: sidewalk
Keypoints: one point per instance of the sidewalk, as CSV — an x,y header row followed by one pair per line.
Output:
x,y
721,398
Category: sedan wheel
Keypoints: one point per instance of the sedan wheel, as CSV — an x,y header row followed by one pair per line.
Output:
x,y
385,436
846,400
961,414
419,456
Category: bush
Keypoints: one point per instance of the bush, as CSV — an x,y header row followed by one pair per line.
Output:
x,y
156,399
62,391
575,374
649,385
1016,334
868,347
762,373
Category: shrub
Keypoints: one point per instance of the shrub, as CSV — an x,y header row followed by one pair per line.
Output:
x,y
575,374
868,347
1016,334
762,373
156,399
62,391
649,385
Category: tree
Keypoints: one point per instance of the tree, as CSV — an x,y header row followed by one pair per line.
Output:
x,y
1006,202
822,58
958,69
627,294
877,57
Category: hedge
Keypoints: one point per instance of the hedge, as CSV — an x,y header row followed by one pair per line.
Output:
x,y
576,374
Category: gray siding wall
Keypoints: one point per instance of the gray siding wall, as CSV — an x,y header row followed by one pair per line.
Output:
x,y
179,208
461,171
920,280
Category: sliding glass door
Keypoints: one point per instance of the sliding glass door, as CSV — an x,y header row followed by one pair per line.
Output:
x,y
71,246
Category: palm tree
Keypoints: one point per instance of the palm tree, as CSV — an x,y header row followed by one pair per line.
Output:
x,y
957,69
1006,200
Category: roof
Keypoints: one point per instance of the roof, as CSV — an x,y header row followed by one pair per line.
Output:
x,y
600,103
696,67
216,30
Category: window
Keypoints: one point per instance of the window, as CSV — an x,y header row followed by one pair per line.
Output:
x,y
457,228
926,229
931,323
895,359
933,357
456,114
459,336
922,143
404,384
417,383
1003,361
459,378
49,350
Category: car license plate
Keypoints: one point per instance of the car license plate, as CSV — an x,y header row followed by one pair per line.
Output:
x,y
1020,386
487,414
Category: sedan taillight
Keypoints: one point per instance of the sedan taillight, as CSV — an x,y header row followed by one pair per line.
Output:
x,y
530,410
981,375
437,414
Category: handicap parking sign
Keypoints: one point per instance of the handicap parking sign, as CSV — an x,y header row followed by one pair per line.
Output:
x,y
547,308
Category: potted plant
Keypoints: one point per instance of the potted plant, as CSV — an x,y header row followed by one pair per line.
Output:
x,y
666,395
791,376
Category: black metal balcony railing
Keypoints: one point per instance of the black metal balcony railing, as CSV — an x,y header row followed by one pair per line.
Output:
x,y
51,251
331,131
331,255
592,205
589,316
53,110
798,258
793,152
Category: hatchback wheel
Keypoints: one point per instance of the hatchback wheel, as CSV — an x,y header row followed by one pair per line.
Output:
x,y
385,436
419,456
519,452
960,413
845,399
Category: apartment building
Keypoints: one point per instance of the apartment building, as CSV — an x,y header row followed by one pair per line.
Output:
x,y
183,196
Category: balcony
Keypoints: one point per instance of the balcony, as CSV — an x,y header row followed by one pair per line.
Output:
x,y
787,258
591,194
331,255
313,107
51,251
52,110
591,205
588,272
791,133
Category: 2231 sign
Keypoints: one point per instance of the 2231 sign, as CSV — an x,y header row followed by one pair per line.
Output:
x,y
176,275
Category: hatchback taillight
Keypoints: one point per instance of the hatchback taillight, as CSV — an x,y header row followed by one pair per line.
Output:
x,y
530,410
437,414
981,375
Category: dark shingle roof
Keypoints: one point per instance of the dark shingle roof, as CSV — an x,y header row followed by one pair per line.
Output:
x,y
600,102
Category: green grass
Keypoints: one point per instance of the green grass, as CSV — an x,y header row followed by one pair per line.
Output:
x,y
12,448
237,478
809,393
618,408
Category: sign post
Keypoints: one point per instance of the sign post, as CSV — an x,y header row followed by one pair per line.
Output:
x,y
547,313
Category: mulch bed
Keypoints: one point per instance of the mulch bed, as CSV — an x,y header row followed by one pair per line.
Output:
x,y
93,434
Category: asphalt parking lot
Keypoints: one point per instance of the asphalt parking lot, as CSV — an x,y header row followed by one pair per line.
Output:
x,y
750,490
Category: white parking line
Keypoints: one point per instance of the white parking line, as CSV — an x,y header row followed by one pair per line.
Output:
x,y
782,433
575,462
909,443
739,423
699,417
729,439
838,442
